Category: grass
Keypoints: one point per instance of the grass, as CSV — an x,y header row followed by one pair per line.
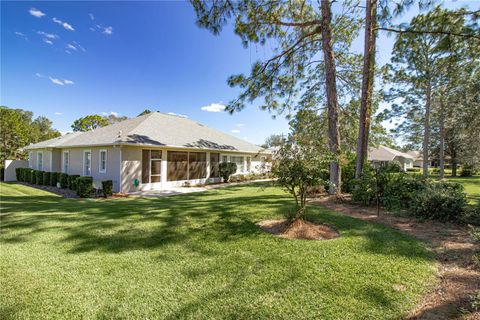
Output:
x,y
471,185
198,256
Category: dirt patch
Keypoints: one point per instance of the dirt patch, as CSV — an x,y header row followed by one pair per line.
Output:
x,y
458,278
299,229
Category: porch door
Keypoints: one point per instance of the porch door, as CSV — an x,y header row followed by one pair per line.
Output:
x,y
151,166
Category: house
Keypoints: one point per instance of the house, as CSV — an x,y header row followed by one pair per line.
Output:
x,y
382,155
417,158
151,152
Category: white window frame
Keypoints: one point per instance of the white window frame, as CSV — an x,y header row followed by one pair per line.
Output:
x,y
66,168
100,170
221,158
30,160
83,162
38,160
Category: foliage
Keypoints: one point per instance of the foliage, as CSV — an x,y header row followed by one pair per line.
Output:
x,y
111,251
38,177
107,188
54,178
46,178
273,140
416,170
84,186
227,169
72,181
64,180
300,162
475,234
443,201
33,176
17,130
89,122
348,173
144,112
467,170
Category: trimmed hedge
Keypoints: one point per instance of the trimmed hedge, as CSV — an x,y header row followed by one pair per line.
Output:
x,y
72,181
107,188
63,179
54,178
46,178
84,186
38,177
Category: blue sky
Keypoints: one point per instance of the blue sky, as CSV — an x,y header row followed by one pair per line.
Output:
x,y
66,60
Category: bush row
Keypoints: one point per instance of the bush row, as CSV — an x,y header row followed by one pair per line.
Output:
x,y
424,198
249,177
83,186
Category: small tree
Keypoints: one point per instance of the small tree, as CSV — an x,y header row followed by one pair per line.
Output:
x,y
227,169
299,167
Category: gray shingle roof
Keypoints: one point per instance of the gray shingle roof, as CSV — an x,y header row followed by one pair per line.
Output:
x,y
383,153
153,129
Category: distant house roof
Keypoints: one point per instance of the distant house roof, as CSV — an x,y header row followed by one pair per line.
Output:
x,y
383,153
417,155
153,129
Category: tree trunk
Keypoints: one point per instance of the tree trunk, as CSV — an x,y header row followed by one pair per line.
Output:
x,y
426,129
332,100
367,85
442,140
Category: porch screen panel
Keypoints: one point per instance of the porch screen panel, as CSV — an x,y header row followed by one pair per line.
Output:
x,y
145,166
214,162
177,168
197,165
239,162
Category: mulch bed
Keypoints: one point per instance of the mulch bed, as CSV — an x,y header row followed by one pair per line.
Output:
x,y
66,193
458,277
299,229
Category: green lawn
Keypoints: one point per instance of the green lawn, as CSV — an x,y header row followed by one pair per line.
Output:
x,y
197,256
471,185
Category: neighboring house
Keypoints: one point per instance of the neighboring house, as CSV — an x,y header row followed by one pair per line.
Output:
x,y
150,152
417,158
382,155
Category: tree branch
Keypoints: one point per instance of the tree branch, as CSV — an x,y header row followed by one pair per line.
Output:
x,y
448,33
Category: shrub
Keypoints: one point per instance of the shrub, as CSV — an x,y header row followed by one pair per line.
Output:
x,y
441,201
64,180
46,178
54,178
107,188
84,186
2,174
472,215
39,177
19,173
227,169
436,171
72,181
33,176
348,175
413,169
467,171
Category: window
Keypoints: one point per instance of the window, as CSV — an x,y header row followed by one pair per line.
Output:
x,y
87,163
214,162
224,158
40,160
151,166
249,163
197,162
238,160
102,161
177,166
66,161
30,159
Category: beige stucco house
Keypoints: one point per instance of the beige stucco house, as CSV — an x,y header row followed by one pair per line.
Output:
x,y
152,152
383,155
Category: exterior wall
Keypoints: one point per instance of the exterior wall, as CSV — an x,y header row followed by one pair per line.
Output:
x,y
132,169
47,156
113,164
10,166
56,162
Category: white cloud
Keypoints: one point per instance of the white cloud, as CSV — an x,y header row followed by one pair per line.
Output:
x,y
92,17
61,82
57,113
178,115
68,52
113,113
235,131
213,107
240,125
48,35
56,81
18,33
47,41
108,30
79,46
92,29
36,13
71,46
63,24
39,75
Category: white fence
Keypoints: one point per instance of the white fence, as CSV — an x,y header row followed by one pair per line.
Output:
x,y
11,165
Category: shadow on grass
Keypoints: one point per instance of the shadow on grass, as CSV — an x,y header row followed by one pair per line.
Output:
x,y
192,221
